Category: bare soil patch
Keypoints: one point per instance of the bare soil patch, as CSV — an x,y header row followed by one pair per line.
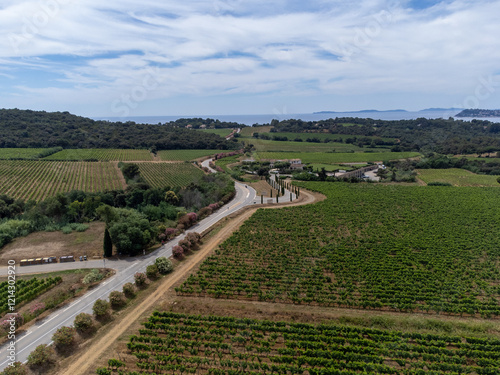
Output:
x,y
45,244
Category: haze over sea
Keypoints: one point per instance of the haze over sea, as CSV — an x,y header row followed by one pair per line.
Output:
x,y
265,119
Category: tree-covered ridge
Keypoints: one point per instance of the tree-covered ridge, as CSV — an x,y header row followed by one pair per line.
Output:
x,y
437,135
26,128
476,112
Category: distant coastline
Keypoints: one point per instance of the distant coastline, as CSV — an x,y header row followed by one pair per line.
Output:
x,y
485,113
391,110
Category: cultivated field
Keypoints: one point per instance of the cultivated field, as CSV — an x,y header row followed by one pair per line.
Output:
x,y
102,155
185,155
263,145
395,248
336,158
225,345
161,175
20,153
457,177
37,180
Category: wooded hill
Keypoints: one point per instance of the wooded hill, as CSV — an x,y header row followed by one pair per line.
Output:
x,y
26,128
424,135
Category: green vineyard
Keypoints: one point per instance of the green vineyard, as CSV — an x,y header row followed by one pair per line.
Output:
x,y
337,157
160,175
40,179
102,155
179,343
398,248
25,290
20,153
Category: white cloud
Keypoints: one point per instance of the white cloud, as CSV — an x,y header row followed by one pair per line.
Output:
x,y
105,50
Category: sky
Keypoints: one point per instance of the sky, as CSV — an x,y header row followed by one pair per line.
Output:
x,y
122,58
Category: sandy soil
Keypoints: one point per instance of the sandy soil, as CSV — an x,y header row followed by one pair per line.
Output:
x,y
44,244
103,348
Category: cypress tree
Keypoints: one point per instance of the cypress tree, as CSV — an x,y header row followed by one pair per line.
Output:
x,y
108,245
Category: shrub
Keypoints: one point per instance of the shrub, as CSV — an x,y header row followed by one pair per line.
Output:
x,y
103,371
129,290
170,232
178,252
83,322
43,356
16,369
164,265
116,299
64,338
18,318
140,279
152,271
185,244
100,308
93,276
37,308
66,230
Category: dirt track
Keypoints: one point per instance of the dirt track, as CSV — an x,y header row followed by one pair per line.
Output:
x,y
85,362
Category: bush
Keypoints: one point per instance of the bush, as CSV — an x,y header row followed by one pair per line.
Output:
x,y
103,371
100,308
37,308
439,183
164,265
117,299
66,230
83,322
152,271
64,338
129,290
140,279
16,369
93,277
42,357
178,252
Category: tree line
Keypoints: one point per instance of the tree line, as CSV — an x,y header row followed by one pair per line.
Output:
x,y
40,129
445,136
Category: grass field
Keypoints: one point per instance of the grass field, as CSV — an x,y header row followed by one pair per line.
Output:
x,y
171,175
249,130
29,179
336,158
102,155
398,248
20,153
457,177
185,155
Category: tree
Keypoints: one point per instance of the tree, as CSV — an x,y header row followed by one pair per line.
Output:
x,y
130,171
498,180
117,299
152,271
108,244
64,338
171,198
42,357
83,322
100,308
129,290
140,278
164,265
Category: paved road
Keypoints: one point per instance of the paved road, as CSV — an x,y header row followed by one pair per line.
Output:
x,y
42,331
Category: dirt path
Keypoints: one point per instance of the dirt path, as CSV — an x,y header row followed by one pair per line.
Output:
x,y
83,361
120,175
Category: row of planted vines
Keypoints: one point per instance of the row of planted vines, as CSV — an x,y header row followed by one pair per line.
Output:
x,y
398,248
40,179
160,175
24,290
173,343
102,155
185,155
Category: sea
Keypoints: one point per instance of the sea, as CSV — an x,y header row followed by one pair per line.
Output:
x,y
250,120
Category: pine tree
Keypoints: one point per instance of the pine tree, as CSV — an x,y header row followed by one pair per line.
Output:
x,y
108,245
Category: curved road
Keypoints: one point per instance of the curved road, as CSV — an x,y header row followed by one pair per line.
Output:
x,y
41,332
